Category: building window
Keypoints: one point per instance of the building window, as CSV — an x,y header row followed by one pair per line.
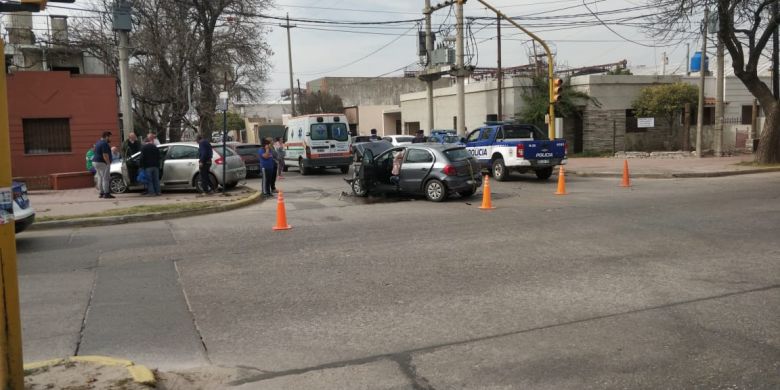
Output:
x,y
747,114
44,136
709,116
631,123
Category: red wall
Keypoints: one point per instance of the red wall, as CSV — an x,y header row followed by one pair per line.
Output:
x,y
89,101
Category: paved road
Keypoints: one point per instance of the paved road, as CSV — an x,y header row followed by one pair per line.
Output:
x,y
672,284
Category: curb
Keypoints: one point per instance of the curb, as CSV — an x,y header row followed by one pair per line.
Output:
x,y
678,175
104,221
140,373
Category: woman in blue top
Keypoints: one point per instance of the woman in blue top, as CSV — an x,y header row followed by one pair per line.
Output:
x,y
267,166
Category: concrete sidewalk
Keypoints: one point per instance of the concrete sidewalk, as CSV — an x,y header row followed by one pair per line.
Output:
x,y
665,167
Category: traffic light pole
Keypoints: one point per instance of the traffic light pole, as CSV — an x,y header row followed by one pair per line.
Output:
x,y
550,75
11,371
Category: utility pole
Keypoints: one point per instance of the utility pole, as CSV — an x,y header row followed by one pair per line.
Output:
x,y
429,61
687,59
460,71
663,64
11,372
499,71
775,55
122,25
719,96
300,101
687,131
288,26
700,113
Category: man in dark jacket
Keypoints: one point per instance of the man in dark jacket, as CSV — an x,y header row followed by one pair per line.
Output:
x,y
102,163
150,163
204,161
131,146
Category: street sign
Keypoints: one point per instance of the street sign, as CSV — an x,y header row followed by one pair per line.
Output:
x,y
645,122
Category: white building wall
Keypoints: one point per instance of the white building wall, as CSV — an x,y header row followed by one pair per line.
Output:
x,y
481,100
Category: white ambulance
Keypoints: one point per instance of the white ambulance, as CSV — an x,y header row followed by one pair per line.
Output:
x,y
318,141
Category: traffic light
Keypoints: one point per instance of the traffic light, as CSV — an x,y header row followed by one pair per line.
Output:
x,y
557,90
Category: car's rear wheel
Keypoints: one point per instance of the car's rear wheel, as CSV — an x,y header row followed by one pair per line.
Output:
x,y
117,184
302,168
344,169
544,174
198,185
231,185
499,169
435,191
358,188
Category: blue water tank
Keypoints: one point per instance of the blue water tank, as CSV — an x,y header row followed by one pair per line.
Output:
x,y
696,62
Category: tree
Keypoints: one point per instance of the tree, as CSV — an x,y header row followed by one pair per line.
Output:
x,y
180,46
618,71
320,102
537,96
665,101
745,27
234,122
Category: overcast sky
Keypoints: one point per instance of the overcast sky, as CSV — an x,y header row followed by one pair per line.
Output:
x,y
318,53
335,48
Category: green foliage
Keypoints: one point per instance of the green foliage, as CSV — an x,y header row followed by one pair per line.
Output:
x,y
617,71
536,101
665,100
320,103
234,122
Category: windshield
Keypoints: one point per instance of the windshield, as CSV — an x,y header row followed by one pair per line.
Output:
x,y
458,154
326,131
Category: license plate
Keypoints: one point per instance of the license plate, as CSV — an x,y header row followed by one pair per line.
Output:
x,y
542,161
252,168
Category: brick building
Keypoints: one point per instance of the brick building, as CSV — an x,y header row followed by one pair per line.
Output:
x,y
54,118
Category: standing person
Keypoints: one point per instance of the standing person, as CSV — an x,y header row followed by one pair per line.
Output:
x,y
102,163
419,138
279,147
88,157
205,154
131,146
266,166
150,163
275,156
373,136
154,139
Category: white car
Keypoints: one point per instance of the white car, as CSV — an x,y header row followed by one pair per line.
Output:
x,y
398,140
24,214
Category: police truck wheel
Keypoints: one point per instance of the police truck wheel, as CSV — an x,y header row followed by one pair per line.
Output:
x,y
544,174
499,169
435,191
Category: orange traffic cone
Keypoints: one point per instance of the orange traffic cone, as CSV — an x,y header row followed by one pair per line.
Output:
x,y
281,215
487,203
626,178
561,182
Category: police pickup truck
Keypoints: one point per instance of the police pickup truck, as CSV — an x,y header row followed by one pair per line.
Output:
x,y
502,147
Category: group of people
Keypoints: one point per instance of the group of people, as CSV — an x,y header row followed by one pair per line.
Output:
x,y
271,163
100,156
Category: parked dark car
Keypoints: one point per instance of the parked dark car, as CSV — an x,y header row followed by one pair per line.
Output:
x,y
248,153
433,170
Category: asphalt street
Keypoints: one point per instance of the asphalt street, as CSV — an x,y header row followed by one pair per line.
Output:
x,y
672,284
